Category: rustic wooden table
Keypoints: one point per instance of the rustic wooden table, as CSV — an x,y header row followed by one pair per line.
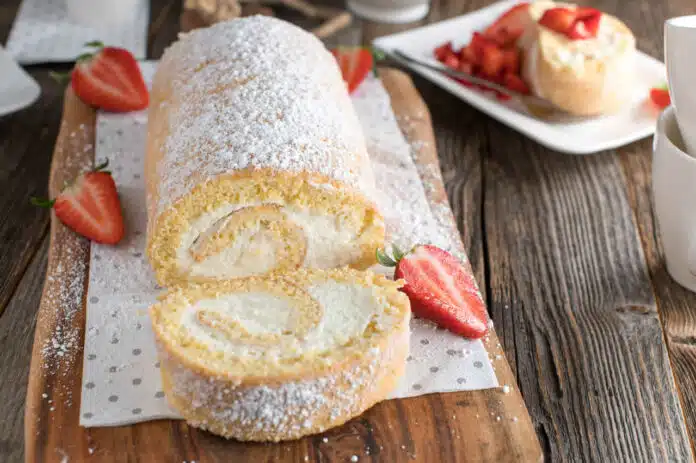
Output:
x,y
602,341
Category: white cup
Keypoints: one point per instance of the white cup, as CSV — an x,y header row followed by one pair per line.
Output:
x,y
102,12
674,192
680,54
390,11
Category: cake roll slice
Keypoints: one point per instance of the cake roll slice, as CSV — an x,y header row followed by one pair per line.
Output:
x,y
255,157
278,357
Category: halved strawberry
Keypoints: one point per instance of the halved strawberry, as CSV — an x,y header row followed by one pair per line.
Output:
x,y
492,61
660,96
469,55
110,79
558,19
355,64
90,206
440,289
510,25
515,83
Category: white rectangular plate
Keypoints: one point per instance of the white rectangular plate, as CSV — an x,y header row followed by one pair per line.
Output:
x,y
17,88
574,136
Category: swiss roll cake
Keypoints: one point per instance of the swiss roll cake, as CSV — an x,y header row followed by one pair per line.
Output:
x,y
255,161
277,357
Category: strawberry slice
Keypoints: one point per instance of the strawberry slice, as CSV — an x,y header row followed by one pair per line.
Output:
x,y
110,79
440,289
355,64
90,206
509,26
660,97
559,19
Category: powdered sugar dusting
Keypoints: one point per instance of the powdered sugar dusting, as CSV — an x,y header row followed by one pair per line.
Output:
x,y
409,217
256,92
65,283
121,280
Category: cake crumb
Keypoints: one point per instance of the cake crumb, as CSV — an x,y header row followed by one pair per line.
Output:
x,y
354,458
44,395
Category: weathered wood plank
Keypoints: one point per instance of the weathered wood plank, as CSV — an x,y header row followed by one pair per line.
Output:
x,y
16,335
25,149
677,305
568,276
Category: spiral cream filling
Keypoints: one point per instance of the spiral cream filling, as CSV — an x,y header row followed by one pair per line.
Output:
x,y
240,240
279,325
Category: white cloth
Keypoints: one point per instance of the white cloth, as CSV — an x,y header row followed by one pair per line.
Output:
x,y
43,32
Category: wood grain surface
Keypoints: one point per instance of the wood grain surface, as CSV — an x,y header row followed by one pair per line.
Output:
x,y
567,282
490,425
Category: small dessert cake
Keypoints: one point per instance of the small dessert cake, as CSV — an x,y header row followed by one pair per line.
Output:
x,y
255,157
582,64
281,356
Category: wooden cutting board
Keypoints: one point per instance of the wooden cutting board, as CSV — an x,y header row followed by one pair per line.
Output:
x,y
491,425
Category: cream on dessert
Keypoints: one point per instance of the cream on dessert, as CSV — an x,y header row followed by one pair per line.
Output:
x,y
320,241
281,356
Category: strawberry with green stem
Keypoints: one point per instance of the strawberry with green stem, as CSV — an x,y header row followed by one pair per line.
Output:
x,y
108,78
440,288
90,206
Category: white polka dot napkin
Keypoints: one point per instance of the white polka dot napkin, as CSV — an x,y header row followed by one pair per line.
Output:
x,y
43,32
121,381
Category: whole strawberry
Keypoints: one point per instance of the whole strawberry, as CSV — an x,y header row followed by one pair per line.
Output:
x,y
90,206
440,289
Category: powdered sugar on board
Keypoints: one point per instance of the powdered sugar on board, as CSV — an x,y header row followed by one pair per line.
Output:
x,y
121,382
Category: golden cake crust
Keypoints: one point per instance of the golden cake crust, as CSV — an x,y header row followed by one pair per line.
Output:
x,y
288,404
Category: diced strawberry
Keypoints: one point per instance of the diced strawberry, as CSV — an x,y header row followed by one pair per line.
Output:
x,y
466,67
492,61
443,51
511,60
451,61
477,45
660,96
515,83
355,64
559,19
90,207
469,55
110,79
440,289
510,25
